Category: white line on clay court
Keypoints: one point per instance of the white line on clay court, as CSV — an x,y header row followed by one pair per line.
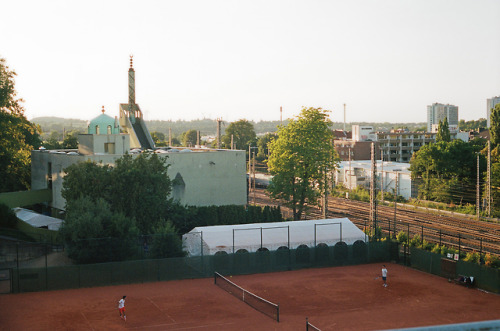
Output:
x,y
161,310
181,328
86,320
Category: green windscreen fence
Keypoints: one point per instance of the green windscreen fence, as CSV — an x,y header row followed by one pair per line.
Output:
x,y
485,277
139,271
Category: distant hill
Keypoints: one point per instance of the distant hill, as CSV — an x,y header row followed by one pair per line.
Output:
x,y
205,126
49,124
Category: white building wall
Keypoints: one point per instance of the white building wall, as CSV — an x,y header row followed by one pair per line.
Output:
x,y
491,103
209,177
386,175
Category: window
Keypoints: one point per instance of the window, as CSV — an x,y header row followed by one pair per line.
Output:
x,y
97,129
109,129
109,148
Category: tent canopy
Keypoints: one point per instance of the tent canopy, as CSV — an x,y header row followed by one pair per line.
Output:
x,y
38,220
270,236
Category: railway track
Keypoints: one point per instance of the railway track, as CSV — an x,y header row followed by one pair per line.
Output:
x,y
463,233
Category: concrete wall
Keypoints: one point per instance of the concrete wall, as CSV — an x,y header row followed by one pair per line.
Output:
x,y
96,144
203,178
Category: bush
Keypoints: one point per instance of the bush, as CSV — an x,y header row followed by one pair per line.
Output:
x,y
491,261
473,257
8,218
402,237
426,245
166,242
415,241
436,249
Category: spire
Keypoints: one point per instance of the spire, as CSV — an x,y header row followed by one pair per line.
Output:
x,y
131,90
102,109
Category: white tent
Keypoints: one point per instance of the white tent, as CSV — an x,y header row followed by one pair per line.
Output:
x,y
270,236
38,220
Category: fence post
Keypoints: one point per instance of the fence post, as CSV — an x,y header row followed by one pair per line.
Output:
x,y
422,234
439,237
459,246
17,263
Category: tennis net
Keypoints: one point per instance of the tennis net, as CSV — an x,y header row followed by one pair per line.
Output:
x,y
311,327
270,309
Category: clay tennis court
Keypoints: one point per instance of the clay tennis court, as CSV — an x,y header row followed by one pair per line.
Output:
x,y
340,298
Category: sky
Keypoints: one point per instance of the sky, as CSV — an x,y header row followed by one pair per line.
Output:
x,y
385,59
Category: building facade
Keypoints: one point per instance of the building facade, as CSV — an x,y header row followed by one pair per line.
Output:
x,y
390,177
490,104
399,146
200,176
438,112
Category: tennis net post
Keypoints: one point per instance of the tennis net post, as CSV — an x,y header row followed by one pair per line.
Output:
x,y
309,326
264,306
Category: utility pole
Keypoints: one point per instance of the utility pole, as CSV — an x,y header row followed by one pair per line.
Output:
x,y
350,169
169,137
344,117
488,192
373,193
249,172
325,196
382,175
232,141
198,137
396,192
254,178
477,190
219,120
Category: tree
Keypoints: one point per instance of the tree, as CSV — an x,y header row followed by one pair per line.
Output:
x,y
300,159
243,134
189,138
448,171
70,141
158,138
495,126
8,218
443,133
166,242
138,187
263,145
18,137
93,233
53,141
141,188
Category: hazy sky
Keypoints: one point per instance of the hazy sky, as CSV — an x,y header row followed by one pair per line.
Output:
x,y
386,59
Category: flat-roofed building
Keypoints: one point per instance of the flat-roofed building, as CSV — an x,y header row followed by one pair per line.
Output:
x,y
438,112
490,104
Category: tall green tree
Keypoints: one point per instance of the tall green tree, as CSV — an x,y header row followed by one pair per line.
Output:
x,y
141,189
443,133
18,137
300,159
138,187
495,126
263,145
189,138
243,134
158,138
70,141
448,171
94,233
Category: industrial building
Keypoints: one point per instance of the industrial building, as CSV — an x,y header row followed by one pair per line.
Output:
x,y
490,104
201,176
392,177
438,112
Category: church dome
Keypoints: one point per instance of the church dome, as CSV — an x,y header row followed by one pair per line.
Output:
x,y
103,124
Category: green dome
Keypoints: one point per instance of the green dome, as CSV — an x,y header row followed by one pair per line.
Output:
x,y
103,124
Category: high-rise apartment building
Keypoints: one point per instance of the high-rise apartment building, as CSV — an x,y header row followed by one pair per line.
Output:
x,y
438,112
491,103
